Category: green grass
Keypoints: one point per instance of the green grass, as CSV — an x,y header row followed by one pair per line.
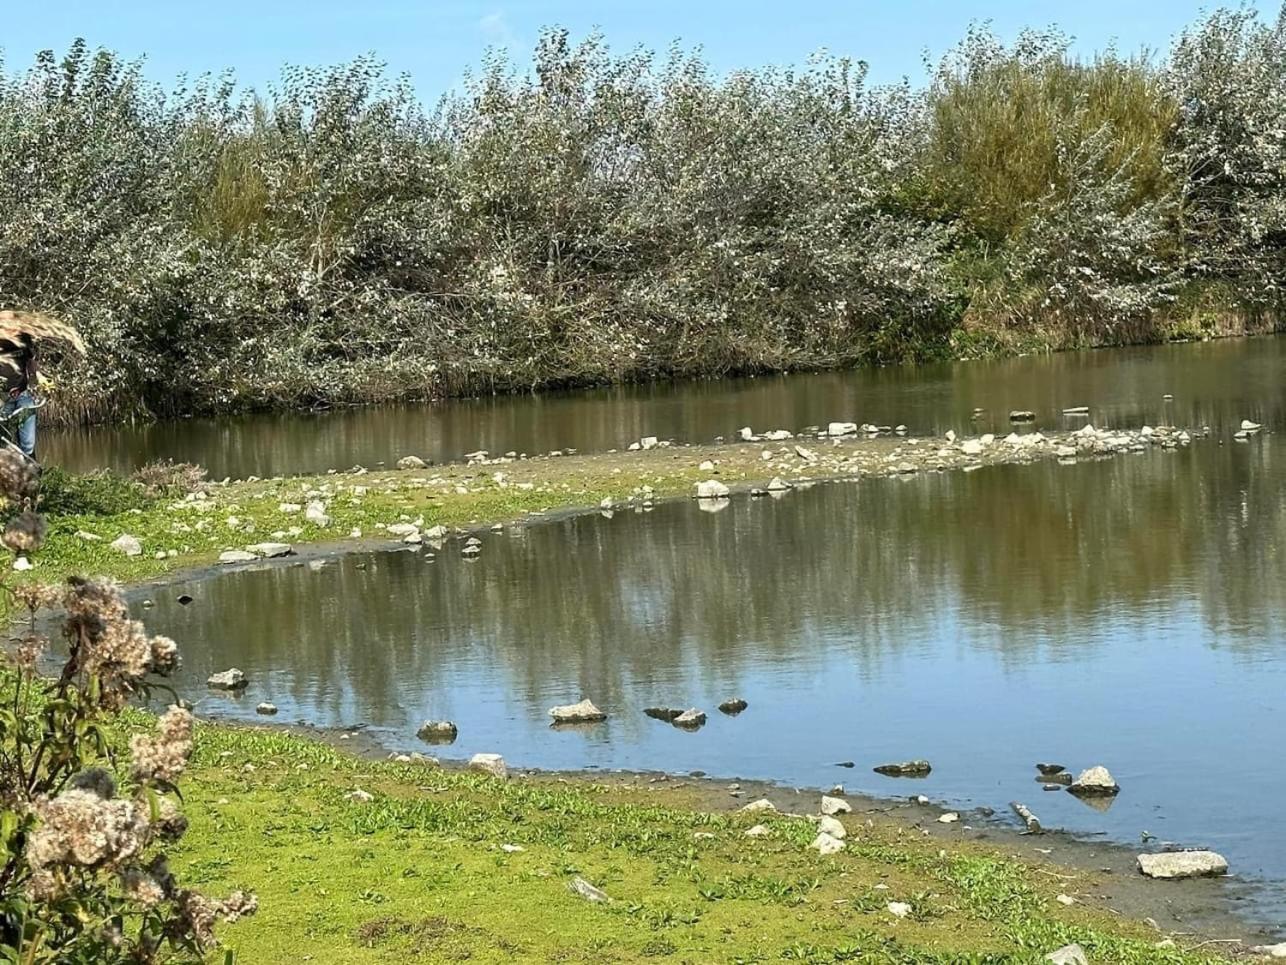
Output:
x,y
419,874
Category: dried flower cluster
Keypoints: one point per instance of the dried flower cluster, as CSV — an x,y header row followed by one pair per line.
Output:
x,y
85,836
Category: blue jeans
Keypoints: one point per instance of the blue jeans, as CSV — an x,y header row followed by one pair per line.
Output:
x,y
27,426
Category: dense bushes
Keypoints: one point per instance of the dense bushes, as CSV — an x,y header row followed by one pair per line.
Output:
x,y
607,217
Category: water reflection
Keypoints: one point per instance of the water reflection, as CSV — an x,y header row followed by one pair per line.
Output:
x,y
1215,383
1125,612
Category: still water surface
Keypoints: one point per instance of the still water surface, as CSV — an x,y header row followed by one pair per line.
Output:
x,y
1127,612
1123,387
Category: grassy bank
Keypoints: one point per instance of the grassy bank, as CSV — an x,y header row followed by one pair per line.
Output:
x,y
450,866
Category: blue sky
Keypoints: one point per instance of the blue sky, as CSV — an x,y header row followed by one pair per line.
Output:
x,y
436,41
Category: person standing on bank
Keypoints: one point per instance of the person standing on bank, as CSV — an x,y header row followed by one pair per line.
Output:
x,y
19,376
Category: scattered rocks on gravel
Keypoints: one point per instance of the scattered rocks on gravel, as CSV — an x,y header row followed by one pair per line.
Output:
x,y
1094,782
232,679
492,764
583,712
1183,864
905,769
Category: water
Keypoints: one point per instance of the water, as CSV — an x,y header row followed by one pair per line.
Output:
x,y
1123,386
1127,612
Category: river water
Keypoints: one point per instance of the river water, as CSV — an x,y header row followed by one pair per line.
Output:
x,y
1126,612
1123,386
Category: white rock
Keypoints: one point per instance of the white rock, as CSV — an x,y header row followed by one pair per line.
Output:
x,y
746,434
587,891
512,848
492,764
271,550
829,825
402,529
649,442
825,844
706,466
841,429
232,679
951,435
1183,864
266,709
898,909
756,807
1068,955
987,439
583,712
129,545
410,462
1067,900
290,508
359,796
1249,426
833,805
236,556
88,537
949,818
758,831
711,489
1270,951
436,532
778,485
1094,781
778,435
971,447
22,564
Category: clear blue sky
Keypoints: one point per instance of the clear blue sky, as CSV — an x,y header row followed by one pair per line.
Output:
x,y
436,41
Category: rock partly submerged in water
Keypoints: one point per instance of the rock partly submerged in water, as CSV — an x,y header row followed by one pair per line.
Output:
x,y
583,712
667,714
1049,770
1171,865
733,706
690,719
232,679
271,550
237,556
1022,415
711,489
438,732
905,769
266,709
1094,782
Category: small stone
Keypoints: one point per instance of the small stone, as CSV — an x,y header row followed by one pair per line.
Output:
x,y
841,429
587,891
733,706
129,545
236,556
746,434
512,848
760,806
649,442
492,764
437,732
1270,951
410,462
949,818
583,712
1022,415
1094,782
691,719
184,599
824,844
1249,426
778,485
898,909
266,709
359,796
1050,769
711,489
232,679
402,529
22,564
436,532
833,805
971,447
1066,900
905,769
706,466
1183,864
88,537
1068,955
758,831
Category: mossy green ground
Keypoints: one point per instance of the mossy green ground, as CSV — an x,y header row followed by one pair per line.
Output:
x,y
421,873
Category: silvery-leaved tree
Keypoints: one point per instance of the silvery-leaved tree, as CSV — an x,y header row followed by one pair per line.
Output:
x,y
84,827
